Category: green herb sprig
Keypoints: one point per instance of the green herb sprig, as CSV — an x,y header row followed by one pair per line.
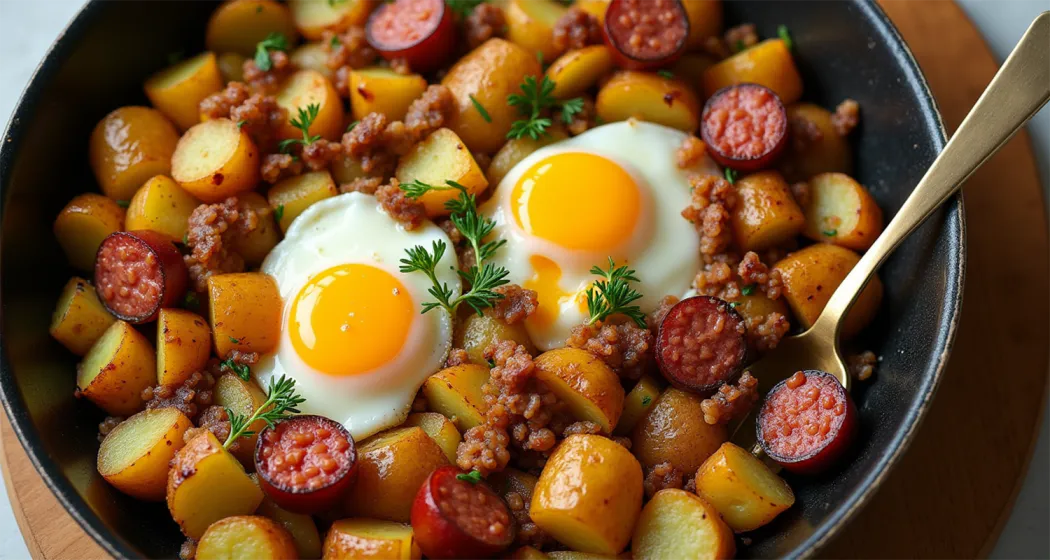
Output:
x,y
614,294
281,400
462,8
241,370
785,35
731,175
472,477
533,100
302,122
481,109
272,42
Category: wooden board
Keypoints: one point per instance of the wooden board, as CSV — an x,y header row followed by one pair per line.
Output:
x,y
955,487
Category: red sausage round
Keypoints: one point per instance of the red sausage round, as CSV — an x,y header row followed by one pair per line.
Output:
x,y
420,31
701,344
306,463
807,422
139,272
453,518
645,34
744,126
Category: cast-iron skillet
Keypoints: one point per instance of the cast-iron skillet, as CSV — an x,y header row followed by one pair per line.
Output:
x,y
844,49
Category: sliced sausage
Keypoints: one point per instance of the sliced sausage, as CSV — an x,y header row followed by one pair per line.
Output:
x,y
457,516
306,463
646,34
744,126
139,272
807,422
419,31
701,344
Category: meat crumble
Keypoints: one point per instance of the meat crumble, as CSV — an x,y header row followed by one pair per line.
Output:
x,y
214,230
515,306
576,29
624,347
732,401
484,22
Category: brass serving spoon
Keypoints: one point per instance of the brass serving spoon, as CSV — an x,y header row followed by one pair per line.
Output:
x,y
1018,90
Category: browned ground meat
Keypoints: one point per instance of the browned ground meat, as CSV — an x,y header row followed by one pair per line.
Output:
x,y
657,316
517,304
450,230
218,105
690,152
365,143
107,425
276,167
403,209
731,401
320,153
349,50
846,117
753,272
690,484
582,121
243,358
457,357
364,185
400,65
623,347
662,476
529,534
484,22
215,420
258,114
576,29
712,203
213,228
801,193
192,396
268,81
765,331
740,37
582,427
862,365
716,47
188,550
430,111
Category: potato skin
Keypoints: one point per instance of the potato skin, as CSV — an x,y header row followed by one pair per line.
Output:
x,y
82,225
456,393
440,429
674,431
79,318
637,404
296,194
312,56
441,157
300,526
246,536
840,206
183,345
649,97
146,477
530,24
246,308
178,90
239,25
231,66
680,524
255,245
831,152
313,17
206,178
489,73
162,206
474,333
242,397
574,72
116,369
584,383
766,215
517,149
768,63
128,146
705,20
742,488
358,539
381,90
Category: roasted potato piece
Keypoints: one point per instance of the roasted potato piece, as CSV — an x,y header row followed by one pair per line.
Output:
x,y
705,20
487,75
742,488
518,149
239,25
299,525
314,17
527,553
674,431
530,23
758,305
821,150
82,225
246,536
474,333
439,158
256,244
183,345
766,214
178,90
134,456
357,539
456,393
576,71
305,88
346,169
596,8
576,555
216,159
162,206
312,56
680,524
245,311
637,404
231,66
841,211
129,146
244,398
584,383
292,196
811,275
649,97
589,494
79,318
440,429
392,465
381,90
116,370
768,63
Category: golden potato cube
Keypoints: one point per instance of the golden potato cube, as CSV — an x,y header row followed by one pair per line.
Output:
x,y
530,23
766,214
589,494
82,225
680,524
178,90
584,383
381,90
358,539
758,306
346,169
768,63
830,152
576,71
162,206
244,398
134,456
474,333
246,536
294,195
116,369
456,393
245,311
440,429
596,8
314,17
231,66
392,465
841,211
129,146
79,318
256,244
312,56
674,431
238,26
576,555
183,345
305,88
439,158
299,525
206,484
705,20
636,404
527,553
518,149
215,160
649,97
742,488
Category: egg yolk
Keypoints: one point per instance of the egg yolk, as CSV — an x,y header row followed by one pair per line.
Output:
x,y
550,295
577,200
350,319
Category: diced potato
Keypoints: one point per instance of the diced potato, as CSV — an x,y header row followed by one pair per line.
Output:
x,y
183,345
129,146
231,66
705,20
305,88
518,149
82,225
596,8
162,206
246,536
178,90
314,17
474,333
392,465
441,157
312,56
530,23
346,169
766,214
636,404
768,63
456,393
245,311
79,318
742,488
841,211
690,69
757,306
206,484
358,539
116,369
576,555
244,398
440,429
649,97
134,456
584,383
256,244
589,494
381,90
674,431
680,524
239,25
576,71
812,274
214,160
300,526
292,196
830,152
487,75
527,553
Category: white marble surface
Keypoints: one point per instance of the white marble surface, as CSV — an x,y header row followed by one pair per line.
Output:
x,y
29,26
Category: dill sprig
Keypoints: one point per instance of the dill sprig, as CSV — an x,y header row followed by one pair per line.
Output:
x,y
272,42
463,214
613,294
281,399
302,122
239,369
533,100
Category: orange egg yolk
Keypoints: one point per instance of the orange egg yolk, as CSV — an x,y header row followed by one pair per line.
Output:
x,y
550,295
350,319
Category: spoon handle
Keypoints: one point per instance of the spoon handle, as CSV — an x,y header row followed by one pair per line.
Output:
x,y
1018,90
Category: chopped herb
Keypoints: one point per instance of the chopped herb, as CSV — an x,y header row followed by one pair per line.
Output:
x,y
666,74
281,399
240,124
242,370
272,42
748,289
186,238
598,120
646,400
785,35
278,212
491,362
123,203
234,340
190,301
462,8
302,122
613,295
176,57
351,126
830,232
739,46
734,304
334,42
334,3
259,9
570,109
481,109
472,477
731,176
534,99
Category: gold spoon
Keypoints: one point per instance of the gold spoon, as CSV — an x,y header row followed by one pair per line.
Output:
x,y
1018,90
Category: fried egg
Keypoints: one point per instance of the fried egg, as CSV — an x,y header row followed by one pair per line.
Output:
x,y
613,191
352,335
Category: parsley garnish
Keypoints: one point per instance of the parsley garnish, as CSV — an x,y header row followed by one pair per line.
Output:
x,y
731,176
240,124
123,203
646,400
242,370
666,74
462,8
259,9
278,212
539,57
491,362
302,122
785,35
351,126
189,301
472,477
613,295
734,304
480,108
534,99
334,42
748,289
570,109
272,42
281,399
830,232
234,340
186,238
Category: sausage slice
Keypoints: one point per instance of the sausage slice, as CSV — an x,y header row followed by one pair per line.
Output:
x,y
701,344
456,517
646,34
744,126
139,272
420,31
